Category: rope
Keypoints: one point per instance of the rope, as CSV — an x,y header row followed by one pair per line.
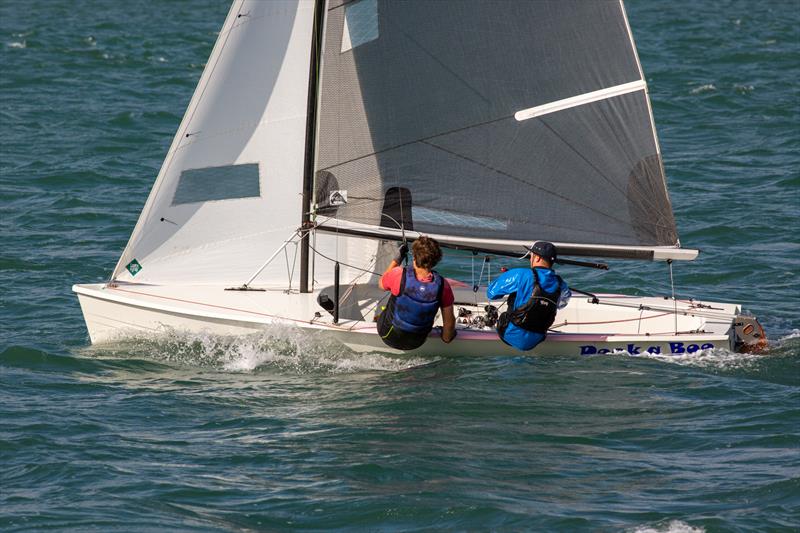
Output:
x,y
693,311
675,302
475,286
345,264
565,323
352,287
352,284
374,306
402,216
398,224
290,272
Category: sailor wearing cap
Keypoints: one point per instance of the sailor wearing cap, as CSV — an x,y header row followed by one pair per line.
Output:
x,y
534,296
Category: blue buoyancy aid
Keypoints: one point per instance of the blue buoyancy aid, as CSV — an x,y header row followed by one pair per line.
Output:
x,y
416,306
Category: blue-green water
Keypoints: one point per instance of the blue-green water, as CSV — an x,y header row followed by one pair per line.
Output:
x,y
282,432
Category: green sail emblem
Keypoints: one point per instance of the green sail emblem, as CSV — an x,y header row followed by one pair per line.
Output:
x,y
133,267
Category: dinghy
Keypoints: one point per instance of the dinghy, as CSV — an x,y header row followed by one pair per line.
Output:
x,y
322,133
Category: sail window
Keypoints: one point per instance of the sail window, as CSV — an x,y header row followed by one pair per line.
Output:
x,y
445,218
217,183
360,24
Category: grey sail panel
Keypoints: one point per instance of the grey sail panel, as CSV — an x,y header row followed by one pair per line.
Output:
x,y
421,96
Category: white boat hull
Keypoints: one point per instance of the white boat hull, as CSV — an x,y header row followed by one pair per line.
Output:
x,y
624,324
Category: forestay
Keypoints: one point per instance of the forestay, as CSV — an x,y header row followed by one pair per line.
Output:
x,y
505,121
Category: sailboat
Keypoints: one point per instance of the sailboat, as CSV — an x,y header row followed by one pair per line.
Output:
x,y
323,132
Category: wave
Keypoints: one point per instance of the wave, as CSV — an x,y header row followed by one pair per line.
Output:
x,y
672,526
717,358
277,347
794,334
780,364
708,87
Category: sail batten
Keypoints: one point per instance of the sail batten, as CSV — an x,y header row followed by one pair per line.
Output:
x,y
581,99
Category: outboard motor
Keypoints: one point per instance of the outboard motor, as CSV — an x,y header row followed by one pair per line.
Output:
x,y
749,335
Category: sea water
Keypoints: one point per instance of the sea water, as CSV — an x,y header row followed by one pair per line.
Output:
x,y
283,431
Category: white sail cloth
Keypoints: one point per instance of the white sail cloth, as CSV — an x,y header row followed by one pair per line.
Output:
x,y
228,193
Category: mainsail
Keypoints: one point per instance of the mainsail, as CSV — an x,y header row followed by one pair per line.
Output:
x,y
501,121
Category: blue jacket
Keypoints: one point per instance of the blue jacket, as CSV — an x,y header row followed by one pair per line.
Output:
x,y
520,280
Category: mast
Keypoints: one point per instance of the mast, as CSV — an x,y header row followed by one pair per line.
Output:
x,y
311,122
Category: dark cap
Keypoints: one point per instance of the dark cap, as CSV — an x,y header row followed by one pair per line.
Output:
x,y
544,249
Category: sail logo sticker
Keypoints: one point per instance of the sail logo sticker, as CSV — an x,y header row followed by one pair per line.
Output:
x,y
337,197
632,349
133,267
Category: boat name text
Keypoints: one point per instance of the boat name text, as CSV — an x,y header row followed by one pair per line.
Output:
x,y
674,348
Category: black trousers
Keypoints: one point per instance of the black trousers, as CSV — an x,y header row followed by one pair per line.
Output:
x,y
394,337
502,325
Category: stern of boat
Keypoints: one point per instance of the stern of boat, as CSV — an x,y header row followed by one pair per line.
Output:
x,y
748,335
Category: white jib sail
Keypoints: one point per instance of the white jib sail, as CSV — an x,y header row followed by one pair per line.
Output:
x,y
229,190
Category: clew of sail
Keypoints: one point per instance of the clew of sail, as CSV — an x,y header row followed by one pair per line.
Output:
x,y
502,121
